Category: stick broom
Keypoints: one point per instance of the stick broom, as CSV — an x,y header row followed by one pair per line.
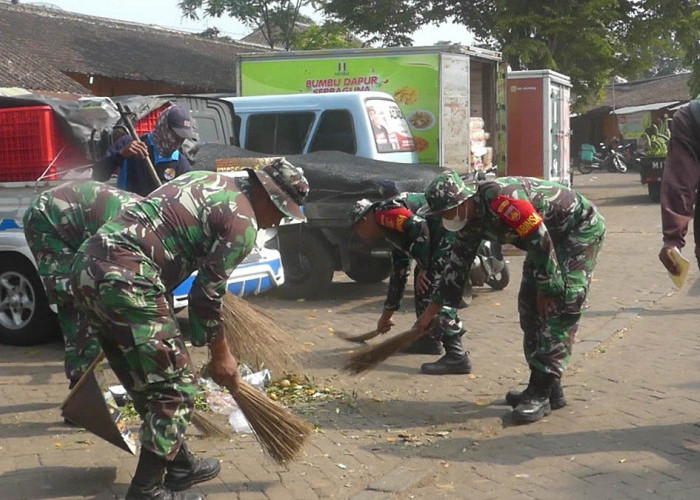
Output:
x,y
372,355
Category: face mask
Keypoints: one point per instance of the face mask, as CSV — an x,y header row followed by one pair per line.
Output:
x,y
455,223
166,140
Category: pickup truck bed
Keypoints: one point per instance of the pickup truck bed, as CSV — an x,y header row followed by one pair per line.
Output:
x,y
312,252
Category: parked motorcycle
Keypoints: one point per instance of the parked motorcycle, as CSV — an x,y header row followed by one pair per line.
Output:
x,y
489,268
631,156
605,157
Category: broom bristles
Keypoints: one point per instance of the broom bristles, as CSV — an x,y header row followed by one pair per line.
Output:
x,y
280,432
370,356
255,338
361,338
208,427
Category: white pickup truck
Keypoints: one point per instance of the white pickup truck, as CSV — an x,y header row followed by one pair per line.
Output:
x,y
26,317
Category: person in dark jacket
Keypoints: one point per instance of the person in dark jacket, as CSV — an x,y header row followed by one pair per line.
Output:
x,y
679,187
160,145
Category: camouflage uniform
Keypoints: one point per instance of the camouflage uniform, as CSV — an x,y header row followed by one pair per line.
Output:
x,y
200,222
561,231
427,242
57,222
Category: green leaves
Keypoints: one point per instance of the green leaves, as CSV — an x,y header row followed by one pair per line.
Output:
x,y
657,141
276,19
328,36
589,40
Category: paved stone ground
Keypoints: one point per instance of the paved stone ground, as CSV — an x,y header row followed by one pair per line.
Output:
x,y
630,430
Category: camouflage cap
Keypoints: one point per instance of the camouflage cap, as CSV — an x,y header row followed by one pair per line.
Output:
x,y
447,191
286,186
359,209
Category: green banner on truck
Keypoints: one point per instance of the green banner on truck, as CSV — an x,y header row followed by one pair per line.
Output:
x,y
413,81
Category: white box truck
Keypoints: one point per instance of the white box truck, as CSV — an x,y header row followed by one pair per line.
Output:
x,y
447,93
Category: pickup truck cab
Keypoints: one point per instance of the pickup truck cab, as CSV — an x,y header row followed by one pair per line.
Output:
x,y
366,124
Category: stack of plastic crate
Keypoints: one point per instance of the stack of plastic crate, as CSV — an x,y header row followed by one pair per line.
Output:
x,y
148,122
32,145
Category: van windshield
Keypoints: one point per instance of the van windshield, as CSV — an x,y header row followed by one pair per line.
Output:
x,y
390,128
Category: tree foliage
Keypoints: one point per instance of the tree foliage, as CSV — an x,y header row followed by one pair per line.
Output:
x,y
328,36
589,40
276,19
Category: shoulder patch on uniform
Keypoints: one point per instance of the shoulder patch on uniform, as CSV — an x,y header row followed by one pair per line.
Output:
x,y
518,214
394,218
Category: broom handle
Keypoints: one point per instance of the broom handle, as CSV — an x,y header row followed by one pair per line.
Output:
x,y
85,375
134,136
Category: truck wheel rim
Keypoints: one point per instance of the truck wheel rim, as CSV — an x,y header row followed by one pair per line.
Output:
x,y
17,301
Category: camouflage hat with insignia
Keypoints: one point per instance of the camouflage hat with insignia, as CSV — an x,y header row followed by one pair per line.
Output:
x,y
359,209
286,186
447,191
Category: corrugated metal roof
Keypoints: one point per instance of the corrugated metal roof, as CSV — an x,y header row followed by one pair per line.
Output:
x,y
645,107
644,92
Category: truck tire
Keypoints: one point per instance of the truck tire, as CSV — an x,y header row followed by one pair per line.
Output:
x,y
366,269
25,315
654,191
308,266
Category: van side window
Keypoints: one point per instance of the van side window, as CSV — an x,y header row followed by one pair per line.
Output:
x,y
278,133
335,132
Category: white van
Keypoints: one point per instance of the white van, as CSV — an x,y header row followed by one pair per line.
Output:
x,y
367,124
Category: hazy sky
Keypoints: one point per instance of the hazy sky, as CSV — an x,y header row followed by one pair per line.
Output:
x,y
166,13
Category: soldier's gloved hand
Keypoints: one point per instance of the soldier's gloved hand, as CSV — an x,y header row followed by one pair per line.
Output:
x,y
135,149
385,322
665,256
546,305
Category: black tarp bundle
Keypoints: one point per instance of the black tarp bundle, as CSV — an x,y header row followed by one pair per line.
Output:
x,y
337,180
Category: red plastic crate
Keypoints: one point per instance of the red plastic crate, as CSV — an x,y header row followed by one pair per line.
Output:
x,y
148,122
30,141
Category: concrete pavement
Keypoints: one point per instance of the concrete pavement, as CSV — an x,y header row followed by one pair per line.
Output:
x,y
630,430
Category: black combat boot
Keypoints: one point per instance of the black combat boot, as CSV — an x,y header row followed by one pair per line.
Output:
x,y
424,345
148,480
187,470
556,398
535,402
454,362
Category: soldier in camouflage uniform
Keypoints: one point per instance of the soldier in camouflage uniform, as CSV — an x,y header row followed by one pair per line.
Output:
x,y
561,231
428,243
57,222
122,276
